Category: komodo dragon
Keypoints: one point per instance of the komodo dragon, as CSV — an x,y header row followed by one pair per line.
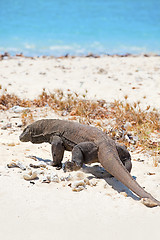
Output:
x,y
88,144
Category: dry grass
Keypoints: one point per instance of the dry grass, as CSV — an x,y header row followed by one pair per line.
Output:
x,y
27,118
9,100
125,119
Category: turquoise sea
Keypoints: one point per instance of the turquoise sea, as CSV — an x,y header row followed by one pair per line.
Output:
x,y
77,27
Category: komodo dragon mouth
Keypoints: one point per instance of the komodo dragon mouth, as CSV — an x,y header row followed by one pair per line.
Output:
x,y
25,135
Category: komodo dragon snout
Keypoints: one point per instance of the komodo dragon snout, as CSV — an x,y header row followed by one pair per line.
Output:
x,y
25,135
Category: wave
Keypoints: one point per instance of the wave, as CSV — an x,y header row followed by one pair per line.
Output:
x,y
30,49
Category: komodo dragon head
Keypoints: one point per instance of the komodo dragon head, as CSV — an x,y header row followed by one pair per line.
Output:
x,y
26,135
33,133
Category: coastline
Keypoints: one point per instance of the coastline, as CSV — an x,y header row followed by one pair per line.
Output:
x,y
36,210
89,54
109,77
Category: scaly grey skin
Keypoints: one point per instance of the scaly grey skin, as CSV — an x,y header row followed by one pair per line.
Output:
x,y
88,144
32,133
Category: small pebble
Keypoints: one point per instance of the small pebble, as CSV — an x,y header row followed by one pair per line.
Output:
x,y
19,125
45,179
93,182
78,183
124,194
9,125
151,173
78,186
69,177
54,179
86,180
62,179
80,175
38,165
18,109
148,202
78,189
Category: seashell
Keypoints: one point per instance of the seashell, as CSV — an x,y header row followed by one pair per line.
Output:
x,y
32,157
80,175
46,179
16,164
18,109
87,182
19,124
9,125
124,194
30,176
62,178
54,178
38,165
78,183
69,178
11,165
53,174
127,125
41,171
78,186
78,189
148,202
21,166
151,173
30,172
109,194
93,182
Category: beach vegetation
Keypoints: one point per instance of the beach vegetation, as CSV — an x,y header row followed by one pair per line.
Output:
x,y
122,121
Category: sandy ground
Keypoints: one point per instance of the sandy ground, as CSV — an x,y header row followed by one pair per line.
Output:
x,y
108,78
36,210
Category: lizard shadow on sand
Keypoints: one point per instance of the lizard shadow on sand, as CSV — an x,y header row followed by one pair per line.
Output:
x,y
100,172
47,161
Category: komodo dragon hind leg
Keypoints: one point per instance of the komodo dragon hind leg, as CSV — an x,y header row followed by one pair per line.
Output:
x,y
87,152
77,160
57,150
84,152
124,156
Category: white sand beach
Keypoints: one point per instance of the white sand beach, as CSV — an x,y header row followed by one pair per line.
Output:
x,y
105,209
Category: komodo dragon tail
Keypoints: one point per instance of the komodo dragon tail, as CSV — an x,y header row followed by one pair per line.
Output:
x,y
109,159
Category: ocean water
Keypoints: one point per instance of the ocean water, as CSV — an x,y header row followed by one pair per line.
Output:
x,y
78,27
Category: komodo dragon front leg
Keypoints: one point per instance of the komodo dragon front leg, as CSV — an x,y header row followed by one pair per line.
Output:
x,y
57,150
